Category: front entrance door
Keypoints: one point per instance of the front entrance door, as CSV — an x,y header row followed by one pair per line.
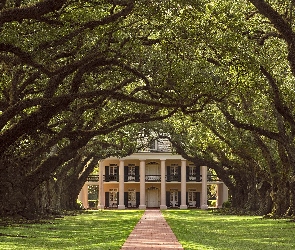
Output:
x,y
173,197
153,197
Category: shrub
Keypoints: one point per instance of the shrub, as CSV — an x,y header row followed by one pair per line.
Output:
x,y
226,204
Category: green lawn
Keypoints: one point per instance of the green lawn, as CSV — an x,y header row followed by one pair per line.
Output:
x,y
93,230
196,229
108,229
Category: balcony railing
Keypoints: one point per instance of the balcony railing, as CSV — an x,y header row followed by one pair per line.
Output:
x,y
153,178
111,177
192,178
172,177
131,177
93,178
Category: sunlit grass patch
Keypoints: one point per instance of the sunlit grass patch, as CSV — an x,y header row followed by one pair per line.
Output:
x,y
105,229
197,229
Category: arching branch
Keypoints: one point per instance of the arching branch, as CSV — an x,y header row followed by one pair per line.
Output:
x,y
278,102
25,57
250,127
31,12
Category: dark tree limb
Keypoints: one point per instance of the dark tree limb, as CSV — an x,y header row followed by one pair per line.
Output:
x,y
25,57
250,127
282,26
90,25
2,4
278,102
31,12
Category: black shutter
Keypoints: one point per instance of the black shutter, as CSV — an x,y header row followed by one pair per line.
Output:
x,y
187,173
198,200
117,175
125,173
186,198
168,175
167,198
137,199
107,199
107,173
179,198
198,173
137,173
126,199
179,174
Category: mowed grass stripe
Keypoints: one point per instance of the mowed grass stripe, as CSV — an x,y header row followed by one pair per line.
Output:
x,y
198,230
108,229
92,230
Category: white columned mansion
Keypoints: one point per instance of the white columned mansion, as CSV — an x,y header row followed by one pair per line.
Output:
x,y
153,178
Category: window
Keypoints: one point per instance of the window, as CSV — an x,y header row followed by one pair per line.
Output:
x,y
153,145
113,169
192,170
92,196
131,195
192,195
173,197
131,172
113,196
174,169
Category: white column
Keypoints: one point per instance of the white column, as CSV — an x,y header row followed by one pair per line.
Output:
x,y
101,196
121,204
219,195
225,193
222,194
183,185
163,185
83,196
204,188
142,204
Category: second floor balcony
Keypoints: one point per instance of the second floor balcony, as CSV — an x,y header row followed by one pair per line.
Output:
x,y
152,178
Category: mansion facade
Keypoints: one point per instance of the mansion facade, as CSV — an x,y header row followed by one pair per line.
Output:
x,y
153,179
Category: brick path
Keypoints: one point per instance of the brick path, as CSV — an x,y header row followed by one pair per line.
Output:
x,y
152,232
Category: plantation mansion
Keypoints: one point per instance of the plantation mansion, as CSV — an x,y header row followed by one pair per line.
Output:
x,y
153,178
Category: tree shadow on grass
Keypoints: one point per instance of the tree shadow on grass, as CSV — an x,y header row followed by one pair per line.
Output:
x,y
106,229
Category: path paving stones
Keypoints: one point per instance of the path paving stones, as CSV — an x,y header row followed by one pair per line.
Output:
x,y
152,232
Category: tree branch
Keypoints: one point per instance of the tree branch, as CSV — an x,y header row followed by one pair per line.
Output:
x,y
250,127
2,4
32,12
281,25
276,19
90,25
23,56
122,121
278,102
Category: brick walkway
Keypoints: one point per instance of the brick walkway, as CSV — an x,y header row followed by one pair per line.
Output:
x,y
152,232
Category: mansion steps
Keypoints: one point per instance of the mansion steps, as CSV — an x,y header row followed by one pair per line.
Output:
x,y
153,180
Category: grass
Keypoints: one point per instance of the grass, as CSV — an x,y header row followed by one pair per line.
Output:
x,y
107,229
197,229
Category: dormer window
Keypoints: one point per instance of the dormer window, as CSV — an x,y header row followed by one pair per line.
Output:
x,y
153,145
